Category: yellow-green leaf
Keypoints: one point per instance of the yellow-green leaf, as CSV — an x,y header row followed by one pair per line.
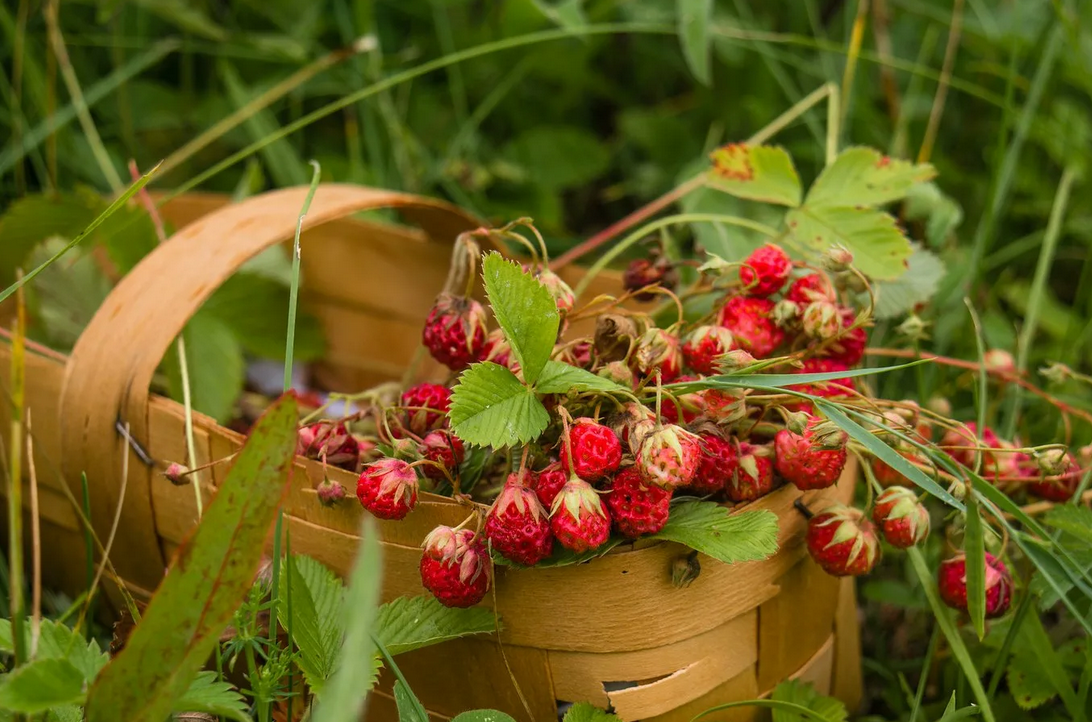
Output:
x,y
879,247
755,172
862,176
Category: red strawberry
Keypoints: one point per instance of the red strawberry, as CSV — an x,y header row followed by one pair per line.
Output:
x,y
578,354
387,488
823,389
328,441
645,272
842,541
751,322
446,449
424,407
704,345
455,567
953,439
498,350
1058,485
562,293
722,406
637,508
753,477
849,345
658,350
886,475
810,288
765,271
902,519
668,456
719,461
689,403
593,450
814,459
518,526
952,580
454,332
548,482
578,518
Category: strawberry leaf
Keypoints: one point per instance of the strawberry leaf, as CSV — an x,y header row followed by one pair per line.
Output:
x,y
924,271
715,531
409,623
862,176
41,684
805,695
880,249
484,715
1076,520
755,172
525,311
491,407
560,378
215,697
584,712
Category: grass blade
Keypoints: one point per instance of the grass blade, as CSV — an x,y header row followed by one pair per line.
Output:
x,y
15,482
975,551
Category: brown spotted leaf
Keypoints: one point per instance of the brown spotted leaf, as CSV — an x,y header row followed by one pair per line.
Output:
x,y
862,176
880,249
755,172
211,574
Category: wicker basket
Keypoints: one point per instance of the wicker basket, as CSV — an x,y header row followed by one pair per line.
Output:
x,y
611,632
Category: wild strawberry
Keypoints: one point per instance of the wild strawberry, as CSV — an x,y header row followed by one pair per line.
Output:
x,y
619,373
330,493
577,354
637,508
578,518
821,320
814,459
823,389
849,343
842,541
753,477
809,289
454,332
455,567
752,326
886,475
634,417
668,456
765,271
592,450
952,580
387,488
658,350
518,526
1057,482
424,407
688,404
719,459
646,272
722,406
903,520
548,482
999,361
704,346
444,448
328,441
561,292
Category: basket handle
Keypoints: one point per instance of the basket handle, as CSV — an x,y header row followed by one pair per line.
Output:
x,y
110,369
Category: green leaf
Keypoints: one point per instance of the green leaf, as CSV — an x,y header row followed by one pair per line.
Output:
x,y
490,407
489,715
556,157
345,692
410,708
755,172
805,695
1034,645
409,623
40,684
212,696
715,531
951,714
1029,683
255,308
862,176
217,370
560,378
879,248
568,14
924,271
66,294
186,16
941,214
975,550
694,18
316,604
584,712
526,312
211,573
1075,520
64,713
57,641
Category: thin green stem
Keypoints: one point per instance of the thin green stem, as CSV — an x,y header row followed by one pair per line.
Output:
x,y
15,485
294,289
930,652
187,404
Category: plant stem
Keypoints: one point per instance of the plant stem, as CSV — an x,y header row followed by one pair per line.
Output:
x,y
187,403
937,110
294,290
15,481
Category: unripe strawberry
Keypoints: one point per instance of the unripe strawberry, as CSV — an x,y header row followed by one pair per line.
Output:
x,y
637,508
812,460
328,441
952,580
1060,485
455,567
578,518
668,456
178,474
444,448
658,350
842,541
424,407
838,258
821,320
751,323
454,332
330,493
387,488
722,406
719,460
998,360
619,373
903,520
561,292
704,346
753,477
592,450
809,289
646,272
765,271
548,483
517,525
